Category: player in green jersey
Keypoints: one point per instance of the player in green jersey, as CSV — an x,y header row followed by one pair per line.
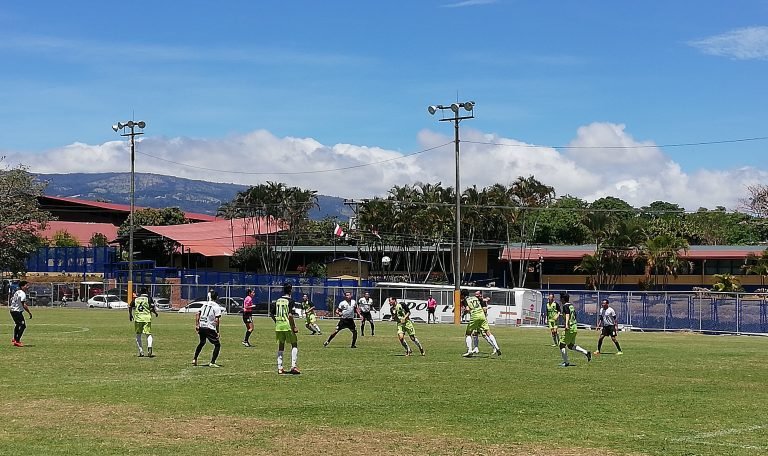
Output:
x,y
285,330
401,315
571,328
478,323
309,315
140,313
553,316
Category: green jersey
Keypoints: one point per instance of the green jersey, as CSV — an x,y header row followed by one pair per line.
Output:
x,y
282,311
142,309
399,313
553,308
307,305
568,309
476,312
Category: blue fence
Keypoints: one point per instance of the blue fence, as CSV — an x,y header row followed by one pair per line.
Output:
x,y
73,260
696,311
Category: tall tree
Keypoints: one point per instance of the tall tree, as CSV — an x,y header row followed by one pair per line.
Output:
x,y
20,217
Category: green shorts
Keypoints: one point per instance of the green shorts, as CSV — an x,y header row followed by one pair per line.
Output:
x,y
569,337
552,324
477,325
286,336
143,327
311,318
406,328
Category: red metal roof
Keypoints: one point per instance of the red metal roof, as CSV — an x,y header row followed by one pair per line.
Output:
x,y
567,252
126,208
219,237
82,231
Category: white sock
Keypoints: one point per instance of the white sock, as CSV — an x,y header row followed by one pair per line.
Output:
x,y
469,343
564,352
294,356
492,341
149,341
279,359
418,344
580,350
138,343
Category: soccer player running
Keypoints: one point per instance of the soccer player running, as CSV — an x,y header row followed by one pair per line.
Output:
x,y
364,306
285,330
18,306
571,328
309,315
553,316
401,314
207,327
346,310
477,323
248,316
140,311
608,324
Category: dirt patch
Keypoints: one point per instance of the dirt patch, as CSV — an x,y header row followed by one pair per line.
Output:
x,y
232,435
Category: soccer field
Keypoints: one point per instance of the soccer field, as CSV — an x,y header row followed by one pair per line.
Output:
x,y
77,387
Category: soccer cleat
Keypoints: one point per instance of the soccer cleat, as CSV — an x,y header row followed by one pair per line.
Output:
x,y
149,352
565,365
468,354
475,351
17,344
141,354
294,371
213,365
194,362
589,356
423,352
246,343
619,353
596,352
353,346
496,351
408,353
325,344
281,371
553,345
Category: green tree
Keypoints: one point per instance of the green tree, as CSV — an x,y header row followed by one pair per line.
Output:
x,y
62,238
662,256
152,247
20,217
758,265
98,240
727,283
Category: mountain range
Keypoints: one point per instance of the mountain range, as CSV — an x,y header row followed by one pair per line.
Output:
x,y
159,191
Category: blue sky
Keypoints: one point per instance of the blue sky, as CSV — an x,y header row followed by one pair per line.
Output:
x,y
276,87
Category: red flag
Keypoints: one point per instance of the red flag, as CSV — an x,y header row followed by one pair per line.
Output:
x,y
338,231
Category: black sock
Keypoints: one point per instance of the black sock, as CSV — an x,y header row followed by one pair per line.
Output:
x,y
618,347
354,337
215,355
599,344
248,335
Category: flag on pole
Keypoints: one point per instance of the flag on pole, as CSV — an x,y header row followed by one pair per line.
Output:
x,y
338,231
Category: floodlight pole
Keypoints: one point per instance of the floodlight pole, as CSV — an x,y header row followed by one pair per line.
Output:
x,y
454,108
131,125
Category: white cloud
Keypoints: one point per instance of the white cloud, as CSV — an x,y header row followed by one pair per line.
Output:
x,y
743,44
593,167
468,3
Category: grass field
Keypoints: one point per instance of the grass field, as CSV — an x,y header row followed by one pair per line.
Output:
x,y
79,388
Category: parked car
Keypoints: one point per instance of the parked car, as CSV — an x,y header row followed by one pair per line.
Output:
x,y
162,303
39,295
195,308
107,302
232,304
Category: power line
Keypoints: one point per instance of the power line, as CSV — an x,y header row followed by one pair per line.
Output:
x,y
690,144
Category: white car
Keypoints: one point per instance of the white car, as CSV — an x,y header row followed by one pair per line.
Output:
x,y
107,302
195,307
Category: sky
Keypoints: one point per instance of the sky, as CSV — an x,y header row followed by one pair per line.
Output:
x,y
644,101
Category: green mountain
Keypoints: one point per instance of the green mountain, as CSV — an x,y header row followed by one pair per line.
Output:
x,y
158,191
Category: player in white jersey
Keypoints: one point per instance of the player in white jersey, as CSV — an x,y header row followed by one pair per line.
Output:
x,y
17,307
608,324
207,327
364,307
346,310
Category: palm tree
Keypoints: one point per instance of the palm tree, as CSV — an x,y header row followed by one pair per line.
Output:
x,y
757,265
662,254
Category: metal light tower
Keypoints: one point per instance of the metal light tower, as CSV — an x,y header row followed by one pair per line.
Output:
x,y
468,106
131,125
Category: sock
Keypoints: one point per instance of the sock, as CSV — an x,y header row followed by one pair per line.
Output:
x,y
599,344
564,353
492,340
405,344
317,328
616,342
580,350
354,338
149,341
294,356
216,349
279,359
555,339
248,335
418,344
469,344
138,343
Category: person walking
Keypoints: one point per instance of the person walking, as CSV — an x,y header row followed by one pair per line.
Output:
x,y
431,307
285,330
571,329
17,307
401,314
346,310
140,312
207,322
553,317
607,323
248,316
309,315
364,307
